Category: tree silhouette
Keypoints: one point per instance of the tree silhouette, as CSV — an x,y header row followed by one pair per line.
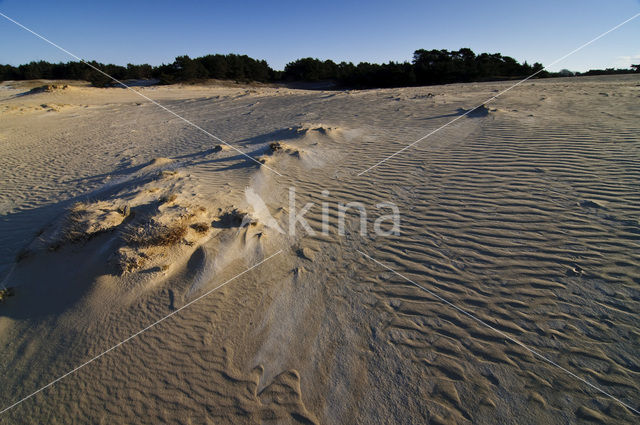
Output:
x,y
427,67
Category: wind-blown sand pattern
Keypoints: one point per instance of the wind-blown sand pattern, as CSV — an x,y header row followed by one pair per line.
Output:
x,y
524,213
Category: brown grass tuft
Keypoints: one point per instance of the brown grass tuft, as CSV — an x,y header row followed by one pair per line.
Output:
x,y
6,293
200,227
169,198
128,260
154,234
276,146
125,210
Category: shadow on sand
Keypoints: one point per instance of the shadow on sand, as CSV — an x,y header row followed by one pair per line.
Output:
x,y
478,112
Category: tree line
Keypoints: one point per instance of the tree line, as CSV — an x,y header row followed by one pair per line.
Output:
x,y
427,67
183,69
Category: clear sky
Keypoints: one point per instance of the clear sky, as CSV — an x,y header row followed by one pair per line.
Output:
x,y
375,31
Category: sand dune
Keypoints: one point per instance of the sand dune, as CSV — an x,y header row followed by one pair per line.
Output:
x,y
524,212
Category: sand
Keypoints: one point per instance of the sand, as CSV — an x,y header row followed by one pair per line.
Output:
x,y
115,214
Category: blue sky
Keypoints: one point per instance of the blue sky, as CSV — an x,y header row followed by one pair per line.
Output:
x,y
376,31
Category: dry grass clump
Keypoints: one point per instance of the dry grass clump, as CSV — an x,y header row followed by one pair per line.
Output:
x,y
140,240
276,146
87,220
167,173
143,233
283,147
128,260
76,226
169,235
125,210
6,293
48,88
155,234
233,218
200,227
169,198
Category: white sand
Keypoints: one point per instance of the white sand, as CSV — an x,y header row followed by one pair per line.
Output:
x,y
527,216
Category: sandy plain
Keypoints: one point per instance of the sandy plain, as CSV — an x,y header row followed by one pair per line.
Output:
x,y
115,213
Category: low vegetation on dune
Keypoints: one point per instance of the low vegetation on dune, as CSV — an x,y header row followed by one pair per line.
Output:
x,y
6,293
146,231
155,234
